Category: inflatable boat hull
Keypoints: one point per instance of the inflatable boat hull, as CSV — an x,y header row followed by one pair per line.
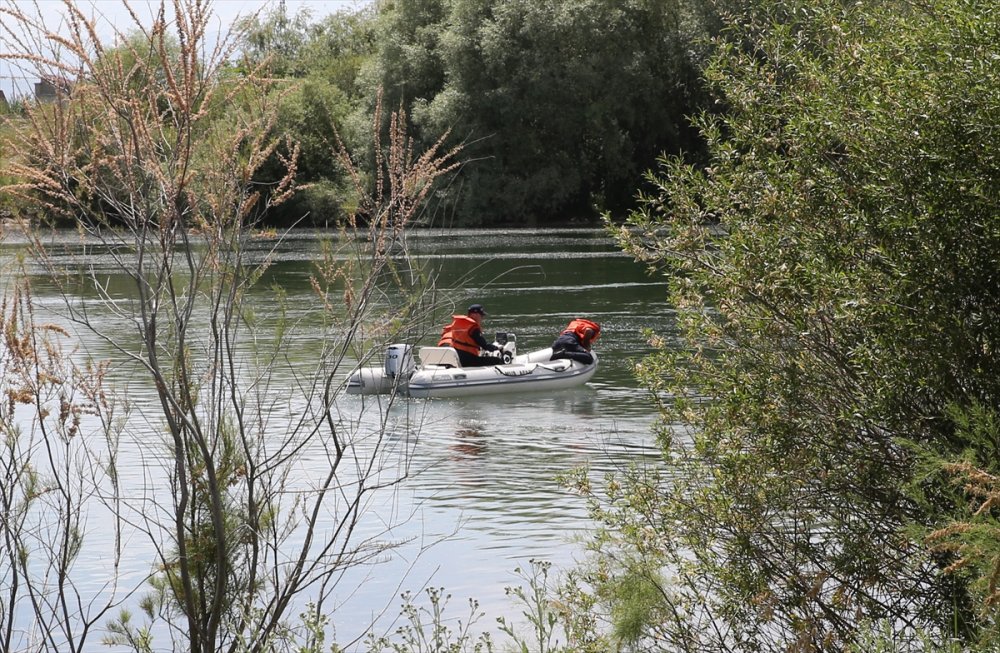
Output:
x,y
532,372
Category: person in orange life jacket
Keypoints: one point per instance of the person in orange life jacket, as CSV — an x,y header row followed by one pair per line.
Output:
x,y
465,336
576,340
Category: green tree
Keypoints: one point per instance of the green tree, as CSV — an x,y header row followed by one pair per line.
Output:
x,y
318,63
277,39
338,47
408,63
564,102
835,273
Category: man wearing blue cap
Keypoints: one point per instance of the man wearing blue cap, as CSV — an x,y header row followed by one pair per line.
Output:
x,y
465,336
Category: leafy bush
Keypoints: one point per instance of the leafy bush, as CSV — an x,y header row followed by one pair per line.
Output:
x,y
834,268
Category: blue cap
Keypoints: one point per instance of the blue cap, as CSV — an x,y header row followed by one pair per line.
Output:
x,y
477,308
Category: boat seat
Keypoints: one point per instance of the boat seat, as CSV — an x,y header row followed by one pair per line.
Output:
x,y
445,356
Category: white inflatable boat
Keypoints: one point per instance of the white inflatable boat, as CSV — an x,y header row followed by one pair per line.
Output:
x,y
438,373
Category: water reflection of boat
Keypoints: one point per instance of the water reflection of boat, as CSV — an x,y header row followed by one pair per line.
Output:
x,y
438,373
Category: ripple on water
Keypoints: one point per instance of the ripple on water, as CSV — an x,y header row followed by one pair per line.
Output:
x,y
483,494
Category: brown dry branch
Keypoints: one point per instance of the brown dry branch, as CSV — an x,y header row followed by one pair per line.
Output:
x,y
152,153
954,539
386,208
57,469
402,181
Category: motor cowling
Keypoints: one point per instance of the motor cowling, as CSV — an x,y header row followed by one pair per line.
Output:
x,y
399,360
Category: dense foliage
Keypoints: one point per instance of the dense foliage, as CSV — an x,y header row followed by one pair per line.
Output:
x,y
318,63
833,394
561,105
563,102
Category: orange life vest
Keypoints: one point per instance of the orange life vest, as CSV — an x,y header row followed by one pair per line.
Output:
x,y
458,334
579,327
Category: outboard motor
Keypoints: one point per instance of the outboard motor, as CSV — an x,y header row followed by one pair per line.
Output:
x,y
399,360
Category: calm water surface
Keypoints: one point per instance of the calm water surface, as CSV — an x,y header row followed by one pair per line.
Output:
x,y
482,498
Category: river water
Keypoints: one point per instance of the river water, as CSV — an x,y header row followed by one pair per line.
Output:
x,y
483,497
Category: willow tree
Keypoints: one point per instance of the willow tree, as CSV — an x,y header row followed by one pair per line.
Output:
x,y
151,150
835,273
564,102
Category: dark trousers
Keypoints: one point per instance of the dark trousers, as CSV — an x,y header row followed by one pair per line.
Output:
x,y
471,360
568,346
582,356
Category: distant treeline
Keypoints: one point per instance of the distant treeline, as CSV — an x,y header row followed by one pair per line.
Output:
x,y
562,105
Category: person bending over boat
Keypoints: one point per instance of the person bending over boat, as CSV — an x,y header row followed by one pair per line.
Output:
x,y
576,340
465,336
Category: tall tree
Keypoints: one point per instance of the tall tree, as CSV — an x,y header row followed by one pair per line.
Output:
x,y
318,64
567,101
